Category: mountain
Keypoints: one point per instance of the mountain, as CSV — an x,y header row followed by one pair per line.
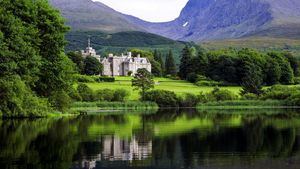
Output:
x,y
203,20
94,16
200,20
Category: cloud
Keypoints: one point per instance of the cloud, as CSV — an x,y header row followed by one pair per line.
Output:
x,y
149,10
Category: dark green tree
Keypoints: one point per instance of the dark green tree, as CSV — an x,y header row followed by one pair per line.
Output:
x,y
186,62
294,62
92,66
77,60
170,65
252,80
158,58
143,80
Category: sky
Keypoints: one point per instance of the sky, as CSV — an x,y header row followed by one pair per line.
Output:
x,y
149,10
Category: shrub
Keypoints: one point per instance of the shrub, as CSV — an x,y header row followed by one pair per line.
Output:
x,y
84,78
249,96
75,95
85,92
106,79
189,100
208,83
293,100
60,100
120,95
192,77
297,80
221,95
162,97
104,95
17,100
203,98
277,92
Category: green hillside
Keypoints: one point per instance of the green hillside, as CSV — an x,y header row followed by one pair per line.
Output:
x,y
261,43
120,42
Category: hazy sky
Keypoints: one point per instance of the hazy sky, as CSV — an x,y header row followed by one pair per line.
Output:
x,y
150,10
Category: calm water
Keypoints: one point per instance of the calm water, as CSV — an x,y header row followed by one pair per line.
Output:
x,y
169,139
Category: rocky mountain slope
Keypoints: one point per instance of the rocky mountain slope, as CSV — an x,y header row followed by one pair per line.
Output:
x,y
91,16
200,20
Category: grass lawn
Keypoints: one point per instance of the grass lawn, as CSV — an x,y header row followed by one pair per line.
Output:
x,y
178,86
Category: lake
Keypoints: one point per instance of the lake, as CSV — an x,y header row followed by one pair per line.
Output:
x,y
168,139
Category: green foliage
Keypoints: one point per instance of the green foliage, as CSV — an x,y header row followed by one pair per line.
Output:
x,y
120,95
143,81
186,64
92,66
17,100
60,100
85,92
249,96
104,95
278,92
221,95
208,83
159,59
252,78
170,66
106,79
294,99
192,77
83,78
162,97
189,100
77,59
31,47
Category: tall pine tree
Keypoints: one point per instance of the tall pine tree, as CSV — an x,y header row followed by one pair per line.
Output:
x,y
158,58
186,66
170,65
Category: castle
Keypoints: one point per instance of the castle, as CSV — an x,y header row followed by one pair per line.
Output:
x,y
123,65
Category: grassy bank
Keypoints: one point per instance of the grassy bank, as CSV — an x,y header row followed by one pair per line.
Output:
x,y
100,106
178,86
243,104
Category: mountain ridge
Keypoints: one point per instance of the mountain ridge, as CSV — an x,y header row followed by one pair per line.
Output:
x,y
199,20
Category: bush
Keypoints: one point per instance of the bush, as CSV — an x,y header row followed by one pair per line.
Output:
x,y
60,100
84,78
17,100
208,83
249,96
85,92
221,95
192,77
104,95
162,97
297,80
106,79
278,92
120,95
189,100
75,96
293,100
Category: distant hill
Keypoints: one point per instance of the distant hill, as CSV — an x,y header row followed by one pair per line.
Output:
x,y
200,20
88,15
120,42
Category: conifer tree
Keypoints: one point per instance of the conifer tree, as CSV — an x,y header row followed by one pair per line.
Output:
x,y
185,62
170,65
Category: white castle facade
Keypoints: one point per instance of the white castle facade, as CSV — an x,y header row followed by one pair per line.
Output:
x,y
123,65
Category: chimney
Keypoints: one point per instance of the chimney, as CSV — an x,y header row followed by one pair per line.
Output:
x,y
139,56
110,55
129,54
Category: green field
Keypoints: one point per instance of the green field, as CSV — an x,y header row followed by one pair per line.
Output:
x,y
178,86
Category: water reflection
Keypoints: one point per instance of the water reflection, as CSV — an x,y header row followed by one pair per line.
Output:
x,y
166,139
